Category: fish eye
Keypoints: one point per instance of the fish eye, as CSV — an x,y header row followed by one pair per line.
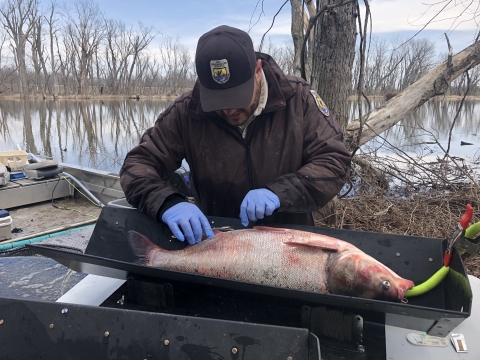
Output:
x,y
385,285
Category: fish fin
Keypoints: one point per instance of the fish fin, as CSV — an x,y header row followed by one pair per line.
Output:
x,y
142,247
316,243
268,228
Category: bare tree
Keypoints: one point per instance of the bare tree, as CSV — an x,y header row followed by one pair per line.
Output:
x,y
38,55
139,41
302,12
152,72
117,50
18,17
51,20
83,33
176,63
297,34
418,59
390,67
63,64
34,57
6,69
380,68
283,55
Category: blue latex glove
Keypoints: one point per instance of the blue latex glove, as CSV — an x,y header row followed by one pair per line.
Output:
x,y
258,203
190,219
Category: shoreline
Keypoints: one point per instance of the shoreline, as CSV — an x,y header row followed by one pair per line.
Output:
x,y
39,97
140,97
438,97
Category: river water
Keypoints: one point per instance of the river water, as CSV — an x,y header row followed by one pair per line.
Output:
x,y
98,134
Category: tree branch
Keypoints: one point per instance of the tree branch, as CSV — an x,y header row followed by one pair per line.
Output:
x,y
273,22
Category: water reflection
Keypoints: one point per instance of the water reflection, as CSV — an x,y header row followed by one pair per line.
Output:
x,y
99,134
418,132
96,134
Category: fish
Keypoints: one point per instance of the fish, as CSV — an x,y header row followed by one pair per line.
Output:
x,y
286,258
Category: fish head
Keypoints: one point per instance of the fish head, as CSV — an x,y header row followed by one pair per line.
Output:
x,y
355,273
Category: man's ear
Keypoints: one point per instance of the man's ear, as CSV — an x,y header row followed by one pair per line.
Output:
x,y
258,69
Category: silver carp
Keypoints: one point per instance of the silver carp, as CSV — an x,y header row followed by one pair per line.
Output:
x,y
280,257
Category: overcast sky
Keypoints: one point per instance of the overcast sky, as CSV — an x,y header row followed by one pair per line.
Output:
x,y
189,19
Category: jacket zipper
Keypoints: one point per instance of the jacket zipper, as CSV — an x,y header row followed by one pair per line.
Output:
x,y
260,119
247,156
249,165
247,149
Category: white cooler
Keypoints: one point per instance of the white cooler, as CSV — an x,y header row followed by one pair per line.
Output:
x,y
5,228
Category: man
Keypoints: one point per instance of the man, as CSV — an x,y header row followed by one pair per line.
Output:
x,y
259,144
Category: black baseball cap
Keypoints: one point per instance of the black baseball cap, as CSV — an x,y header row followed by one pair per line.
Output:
x,y
225,62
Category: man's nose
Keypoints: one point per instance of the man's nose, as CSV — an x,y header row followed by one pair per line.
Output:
x,y
229,112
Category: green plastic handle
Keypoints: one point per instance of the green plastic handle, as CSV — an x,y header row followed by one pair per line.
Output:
x,y
472,231
428,285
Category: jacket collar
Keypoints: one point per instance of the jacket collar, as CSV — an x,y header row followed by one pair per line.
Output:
x,y
279,90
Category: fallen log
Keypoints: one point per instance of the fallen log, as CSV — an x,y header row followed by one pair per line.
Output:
x,y
434,83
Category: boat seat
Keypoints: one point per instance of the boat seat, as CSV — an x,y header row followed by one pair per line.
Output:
x,y
4,175
43,169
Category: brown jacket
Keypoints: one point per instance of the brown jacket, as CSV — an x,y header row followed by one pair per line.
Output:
x,y
291,148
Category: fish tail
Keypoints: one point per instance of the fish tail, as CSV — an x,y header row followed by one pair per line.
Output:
x,y
141,246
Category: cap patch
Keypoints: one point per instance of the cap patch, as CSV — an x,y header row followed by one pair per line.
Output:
x,y
220,71
321,105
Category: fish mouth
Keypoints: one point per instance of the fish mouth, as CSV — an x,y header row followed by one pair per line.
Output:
x,y
406,284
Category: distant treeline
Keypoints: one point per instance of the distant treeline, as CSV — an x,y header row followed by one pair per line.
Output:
x,y
75,49
392,66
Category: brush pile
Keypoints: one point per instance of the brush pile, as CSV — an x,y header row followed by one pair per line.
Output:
x,y
418,198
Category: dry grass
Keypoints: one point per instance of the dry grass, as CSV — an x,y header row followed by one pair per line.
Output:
x,y
434,214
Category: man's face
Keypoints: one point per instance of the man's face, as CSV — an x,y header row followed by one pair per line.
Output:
x,y
238,117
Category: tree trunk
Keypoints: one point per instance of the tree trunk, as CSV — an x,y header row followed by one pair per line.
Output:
x,y
297,35
22,70
51,31
311,37
36,65
40,50
334,51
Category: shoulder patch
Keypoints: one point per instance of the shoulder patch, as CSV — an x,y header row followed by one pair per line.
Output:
x,y
321,105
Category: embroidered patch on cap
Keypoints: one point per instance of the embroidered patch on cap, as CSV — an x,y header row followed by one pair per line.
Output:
x,y
321,105
220,71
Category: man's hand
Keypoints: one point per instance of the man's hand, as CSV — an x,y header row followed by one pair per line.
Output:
x,y
258,203
190,219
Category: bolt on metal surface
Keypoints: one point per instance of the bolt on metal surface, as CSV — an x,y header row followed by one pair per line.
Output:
x,y
361,349
51,326
1,321
398,254
166,342
289,358
64,311
234,350
106,334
